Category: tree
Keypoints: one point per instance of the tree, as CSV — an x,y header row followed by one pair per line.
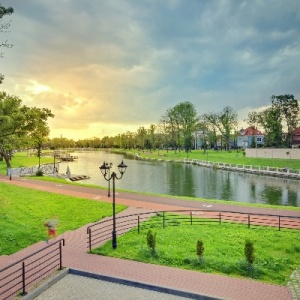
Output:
x,y
180,123
225,121
4,28
141,137
289,110
18,121
188,119
39,138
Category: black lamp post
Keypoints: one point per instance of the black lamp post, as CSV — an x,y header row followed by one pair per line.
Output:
x,y
109,166
105,170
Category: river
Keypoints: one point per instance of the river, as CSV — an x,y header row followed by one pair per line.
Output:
x,y
180,179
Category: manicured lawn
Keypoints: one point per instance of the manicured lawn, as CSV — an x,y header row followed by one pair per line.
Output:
x,y
232,157
22,159
23,212
277,253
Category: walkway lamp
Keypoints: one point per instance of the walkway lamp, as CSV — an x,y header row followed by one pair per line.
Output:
x,y
105,170
109,166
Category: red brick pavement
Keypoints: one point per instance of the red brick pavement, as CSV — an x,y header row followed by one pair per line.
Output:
x,y
75,253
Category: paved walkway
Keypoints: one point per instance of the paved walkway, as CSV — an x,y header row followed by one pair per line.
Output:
x,y
75,254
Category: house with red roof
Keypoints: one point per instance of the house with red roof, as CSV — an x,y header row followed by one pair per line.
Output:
x,y
245,137
296,138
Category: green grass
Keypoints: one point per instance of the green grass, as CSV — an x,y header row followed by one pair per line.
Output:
x,y
232,157
22,159
23,212
277,252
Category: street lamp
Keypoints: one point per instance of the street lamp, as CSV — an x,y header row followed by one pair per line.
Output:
x,y
105,170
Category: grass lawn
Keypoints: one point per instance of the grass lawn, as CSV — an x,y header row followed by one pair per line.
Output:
x,y
232,157
21,159
23,212
277,253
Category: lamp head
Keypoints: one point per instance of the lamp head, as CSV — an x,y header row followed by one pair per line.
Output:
x,y
104,168
122,168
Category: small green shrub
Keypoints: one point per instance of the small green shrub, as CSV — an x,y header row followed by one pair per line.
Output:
x,y
249,252
151,241
39,173
200,249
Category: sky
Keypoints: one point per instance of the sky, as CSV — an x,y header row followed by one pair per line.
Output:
x,y
107,67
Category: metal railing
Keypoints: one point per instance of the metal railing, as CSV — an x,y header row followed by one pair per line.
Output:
x,y
263,170
16,278
101,232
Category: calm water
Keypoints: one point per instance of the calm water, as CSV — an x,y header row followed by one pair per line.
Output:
x,y
187,180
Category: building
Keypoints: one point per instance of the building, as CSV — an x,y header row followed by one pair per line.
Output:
x,y
296,138
245,137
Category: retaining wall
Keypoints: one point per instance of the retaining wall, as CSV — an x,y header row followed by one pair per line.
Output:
x,y
284,153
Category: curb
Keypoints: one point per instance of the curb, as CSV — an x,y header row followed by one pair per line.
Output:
x,y
44,286
141,285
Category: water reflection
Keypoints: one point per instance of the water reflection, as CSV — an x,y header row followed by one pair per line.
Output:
x,y
188,180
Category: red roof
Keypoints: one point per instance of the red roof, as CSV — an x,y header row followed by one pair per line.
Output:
x,y
296,131
250,131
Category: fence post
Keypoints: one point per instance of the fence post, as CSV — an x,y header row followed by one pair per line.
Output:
x,y
138,224
248,221
60,256
279,223
164,220
191,217
220,218
90,239
23,279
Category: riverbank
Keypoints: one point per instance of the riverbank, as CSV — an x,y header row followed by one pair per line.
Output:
x,y
231,161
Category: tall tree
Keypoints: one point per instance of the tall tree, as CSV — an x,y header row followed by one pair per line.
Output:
x,y
188,120
271,120
17,120
225,121
289,110
4,28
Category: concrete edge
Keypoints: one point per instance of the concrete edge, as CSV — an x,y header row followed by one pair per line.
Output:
x,y
45,285
141,285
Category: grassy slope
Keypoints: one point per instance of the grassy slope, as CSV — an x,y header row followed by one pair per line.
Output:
x,y
23,212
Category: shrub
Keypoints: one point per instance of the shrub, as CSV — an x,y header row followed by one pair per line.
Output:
x,y
39,173
200,249
249,252
151,241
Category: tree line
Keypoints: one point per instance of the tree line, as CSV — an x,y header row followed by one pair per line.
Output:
x,y
180,126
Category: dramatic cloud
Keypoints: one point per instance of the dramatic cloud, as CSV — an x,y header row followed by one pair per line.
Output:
x,y
105,67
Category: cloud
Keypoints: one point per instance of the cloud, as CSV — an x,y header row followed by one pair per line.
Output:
x,y
120,64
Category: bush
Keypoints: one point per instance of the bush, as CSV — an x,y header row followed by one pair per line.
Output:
x,y
39,173
200,249
151,241
249,252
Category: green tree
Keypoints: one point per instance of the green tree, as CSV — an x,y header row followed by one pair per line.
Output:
x,y
39,138
225,121
289,110
18,121
180,123
188,121
271,121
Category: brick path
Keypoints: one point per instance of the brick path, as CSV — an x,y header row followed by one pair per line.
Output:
x,y
75,255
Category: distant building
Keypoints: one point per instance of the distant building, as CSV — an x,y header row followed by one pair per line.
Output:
x,y
296,138
245,137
